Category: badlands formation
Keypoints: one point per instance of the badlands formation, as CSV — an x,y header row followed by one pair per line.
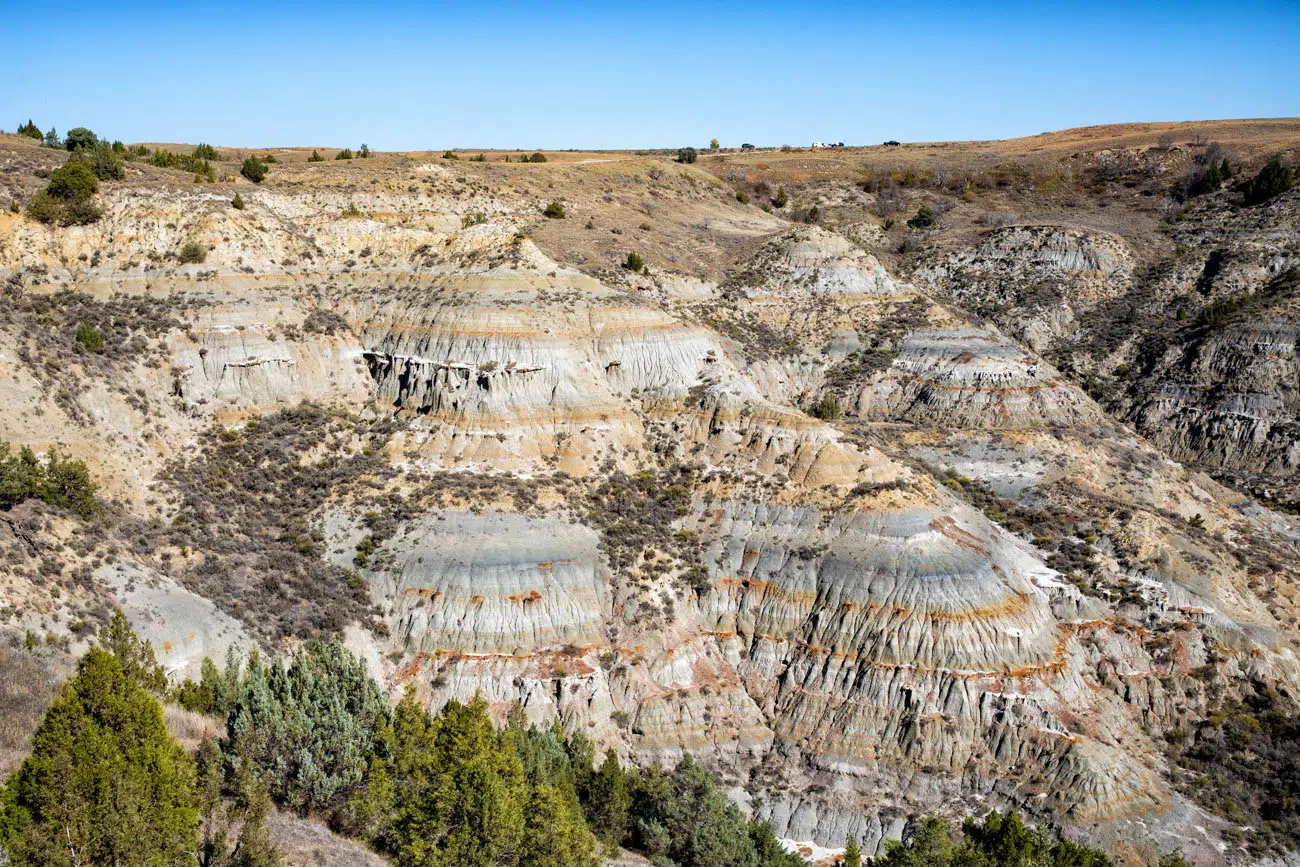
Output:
x,y
873,532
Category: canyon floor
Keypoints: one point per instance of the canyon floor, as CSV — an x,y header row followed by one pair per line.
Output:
x,y
875,514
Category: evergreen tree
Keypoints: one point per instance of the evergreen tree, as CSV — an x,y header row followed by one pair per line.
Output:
x,y
59,482
1272,180
105,783
52,139
554,834
136,657
73,180
80,138
852,855
924,218
253,169
30,130
449,791
105,162
610,801
309,729
687,818
247,811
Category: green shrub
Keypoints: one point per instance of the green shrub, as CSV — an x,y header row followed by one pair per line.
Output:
x,y
781,199
44,208
58,481
315,157
30,130
686,817
253,169
742,197
80,137
68,198
81,212
537,157
555,211
89,337
634,263
237,202
73,180
1272,180
924,218
686,155
192,253
997,841
106,163
826,409
478,158
206,152
165,159
450,155
477,218
352,210
345,154
364,151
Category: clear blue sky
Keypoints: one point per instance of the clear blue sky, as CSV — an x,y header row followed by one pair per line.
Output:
x,y
402,75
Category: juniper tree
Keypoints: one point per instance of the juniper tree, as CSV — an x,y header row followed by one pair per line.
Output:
x,y
105,783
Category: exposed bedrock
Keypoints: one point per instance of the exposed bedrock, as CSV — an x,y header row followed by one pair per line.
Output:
x,y
916,637
1035,281
1230,401
972,378
497,583
810,261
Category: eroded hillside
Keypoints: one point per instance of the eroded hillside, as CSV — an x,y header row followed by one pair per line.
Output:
x,y
874,521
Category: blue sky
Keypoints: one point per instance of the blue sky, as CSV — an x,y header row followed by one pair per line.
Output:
x,y
403,75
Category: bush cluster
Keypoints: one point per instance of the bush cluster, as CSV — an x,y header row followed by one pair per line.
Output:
x,y
59,481
924,218
449,789
69,198
254,169
247,501
1272,180
997,841
192,253
1243,762
635,515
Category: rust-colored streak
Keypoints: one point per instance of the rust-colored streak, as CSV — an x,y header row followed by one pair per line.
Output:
x,y
947,527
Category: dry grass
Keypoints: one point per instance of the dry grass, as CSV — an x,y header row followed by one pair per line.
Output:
x,y
304,843
189,728
29,683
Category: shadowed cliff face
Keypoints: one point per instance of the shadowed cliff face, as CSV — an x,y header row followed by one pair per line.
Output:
x,y
862,548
